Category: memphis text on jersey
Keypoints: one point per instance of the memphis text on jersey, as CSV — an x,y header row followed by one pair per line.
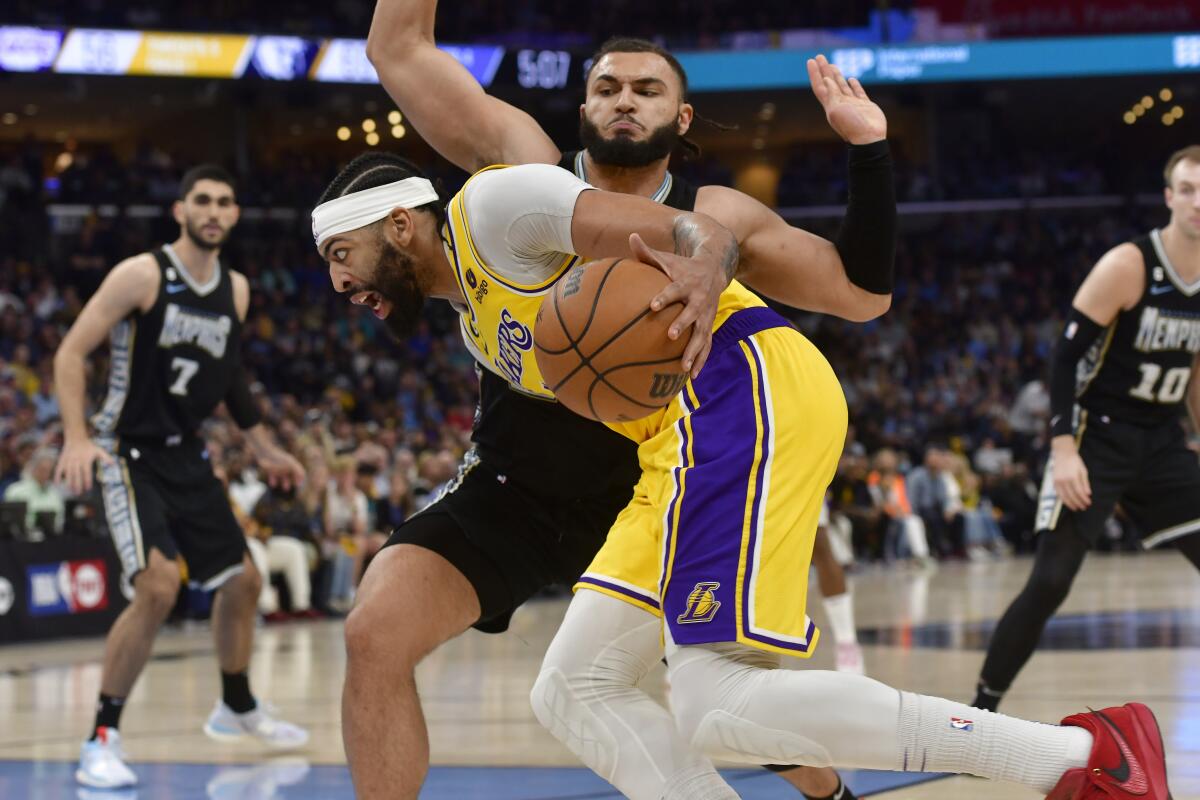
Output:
x,y
209,332
1160,330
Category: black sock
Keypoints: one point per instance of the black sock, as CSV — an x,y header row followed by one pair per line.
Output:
x,y
986,698
235,692
108,713
841,793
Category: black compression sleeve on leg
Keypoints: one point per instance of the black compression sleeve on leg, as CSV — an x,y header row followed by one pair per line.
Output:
x,y
866,240
1078,335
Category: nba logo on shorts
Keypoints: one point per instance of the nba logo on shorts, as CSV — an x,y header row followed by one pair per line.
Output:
x,y
702,604
962,724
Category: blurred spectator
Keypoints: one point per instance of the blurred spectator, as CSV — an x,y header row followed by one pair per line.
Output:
x,y
936,501
38,492
345,537
289,536
906,532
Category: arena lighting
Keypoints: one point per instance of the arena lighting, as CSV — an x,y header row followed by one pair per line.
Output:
x,y
343,133
1168,119
372,138
1129,118
1165,95
394,117
368,125
767,112
1148,102
1177,112
1139,110
398,131
10,118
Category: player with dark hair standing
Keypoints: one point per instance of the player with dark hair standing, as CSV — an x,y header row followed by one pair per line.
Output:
x,y
173,317
1123,372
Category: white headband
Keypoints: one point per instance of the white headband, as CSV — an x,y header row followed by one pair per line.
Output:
x,y
357,209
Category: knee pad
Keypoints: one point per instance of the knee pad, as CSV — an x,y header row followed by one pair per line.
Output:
x,y
730,737
563,713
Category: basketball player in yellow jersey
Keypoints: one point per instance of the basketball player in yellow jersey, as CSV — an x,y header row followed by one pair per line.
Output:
x,y
733,476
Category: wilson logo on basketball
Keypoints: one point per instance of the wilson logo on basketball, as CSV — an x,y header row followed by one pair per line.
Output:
x,y
667,384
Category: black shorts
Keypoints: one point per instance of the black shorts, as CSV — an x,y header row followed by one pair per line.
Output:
x,y
1149,471
508,541
167,498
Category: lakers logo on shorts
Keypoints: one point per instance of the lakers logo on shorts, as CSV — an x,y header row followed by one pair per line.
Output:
x,y
702,604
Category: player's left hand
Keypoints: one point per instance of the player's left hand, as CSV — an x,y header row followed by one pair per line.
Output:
x,y
697,284
849,111
280,468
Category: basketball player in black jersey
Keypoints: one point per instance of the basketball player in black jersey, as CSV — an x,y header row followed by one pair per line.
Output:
x,y
173,318
535,509
1121,377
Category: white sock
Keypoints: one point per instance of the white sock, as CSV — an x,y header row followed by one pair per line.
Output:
x,y
939,735
840,610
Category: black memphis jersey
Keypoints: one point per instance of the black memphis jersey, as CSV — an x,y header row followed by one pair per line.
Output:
x,y
599,460
173,364
1138,371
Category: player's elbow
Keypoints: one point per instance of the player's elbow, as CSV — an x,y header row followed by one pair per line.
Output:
x,y
385,48
867,306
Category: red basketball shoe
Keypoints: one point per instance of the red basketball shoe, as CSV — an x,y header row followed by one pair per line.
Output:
x,y
1127,759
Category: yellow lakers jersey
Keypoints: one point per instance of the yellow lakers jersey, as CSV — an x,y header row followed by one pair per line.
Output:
x,y
498,318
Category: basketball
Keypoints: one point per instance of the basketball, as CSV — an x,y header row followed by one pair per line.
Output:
x,y
601,349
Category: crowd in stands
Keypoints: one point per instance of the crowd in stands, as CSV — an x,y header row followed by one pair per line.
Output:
x,y
947,392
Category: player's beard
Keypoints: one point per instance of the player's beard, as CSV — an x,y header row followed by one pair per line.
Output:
x,y
621,151
397,281
195,233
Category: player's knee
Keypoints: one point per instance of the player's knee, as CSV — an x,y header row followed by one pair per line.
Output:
x,y
157,586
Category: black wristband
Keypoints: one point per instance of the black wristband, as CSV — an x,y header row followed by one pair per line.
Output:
x,y
1079,334
241,404
866,240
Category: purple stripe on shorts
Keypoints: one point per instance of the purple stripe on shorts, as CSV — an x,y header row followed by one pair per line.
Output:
x,y
612,587
713,505
759,485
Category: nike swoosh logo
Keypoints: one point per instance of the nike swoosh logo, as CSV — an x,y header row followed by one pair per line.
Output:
x,y
1161,289
1129,774
175,288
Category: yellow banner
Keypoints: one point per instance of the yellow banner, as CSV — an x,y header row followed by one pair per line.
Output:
x,y
192,55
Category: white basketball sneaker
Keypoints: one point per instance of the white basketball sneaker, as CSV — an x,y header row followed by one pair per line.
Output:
x,y
102,762
225,725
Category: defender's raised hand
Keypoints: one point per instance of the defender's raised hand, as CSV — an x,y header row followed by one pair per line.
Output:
x,y
850,112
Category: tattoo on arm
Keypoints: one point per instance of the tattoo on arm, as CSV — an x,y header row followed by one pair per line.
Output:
x,y
692,235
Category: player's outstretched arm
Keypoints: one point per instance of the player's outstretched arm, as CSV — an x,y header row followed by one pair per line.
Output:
x,y
613,224
852,277
442,99
131,285
791,265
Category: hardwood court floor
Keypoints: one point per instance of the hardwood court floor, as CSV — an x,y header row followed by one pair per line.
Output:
x,y
1130,630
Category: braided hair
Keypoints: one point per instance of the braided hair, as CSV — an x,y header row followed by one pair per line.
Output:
x,y
376,168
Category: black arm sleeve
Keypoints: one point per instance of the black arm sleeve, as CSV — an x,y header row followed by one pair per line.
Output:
x,y
1079,334
866,240
240,403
